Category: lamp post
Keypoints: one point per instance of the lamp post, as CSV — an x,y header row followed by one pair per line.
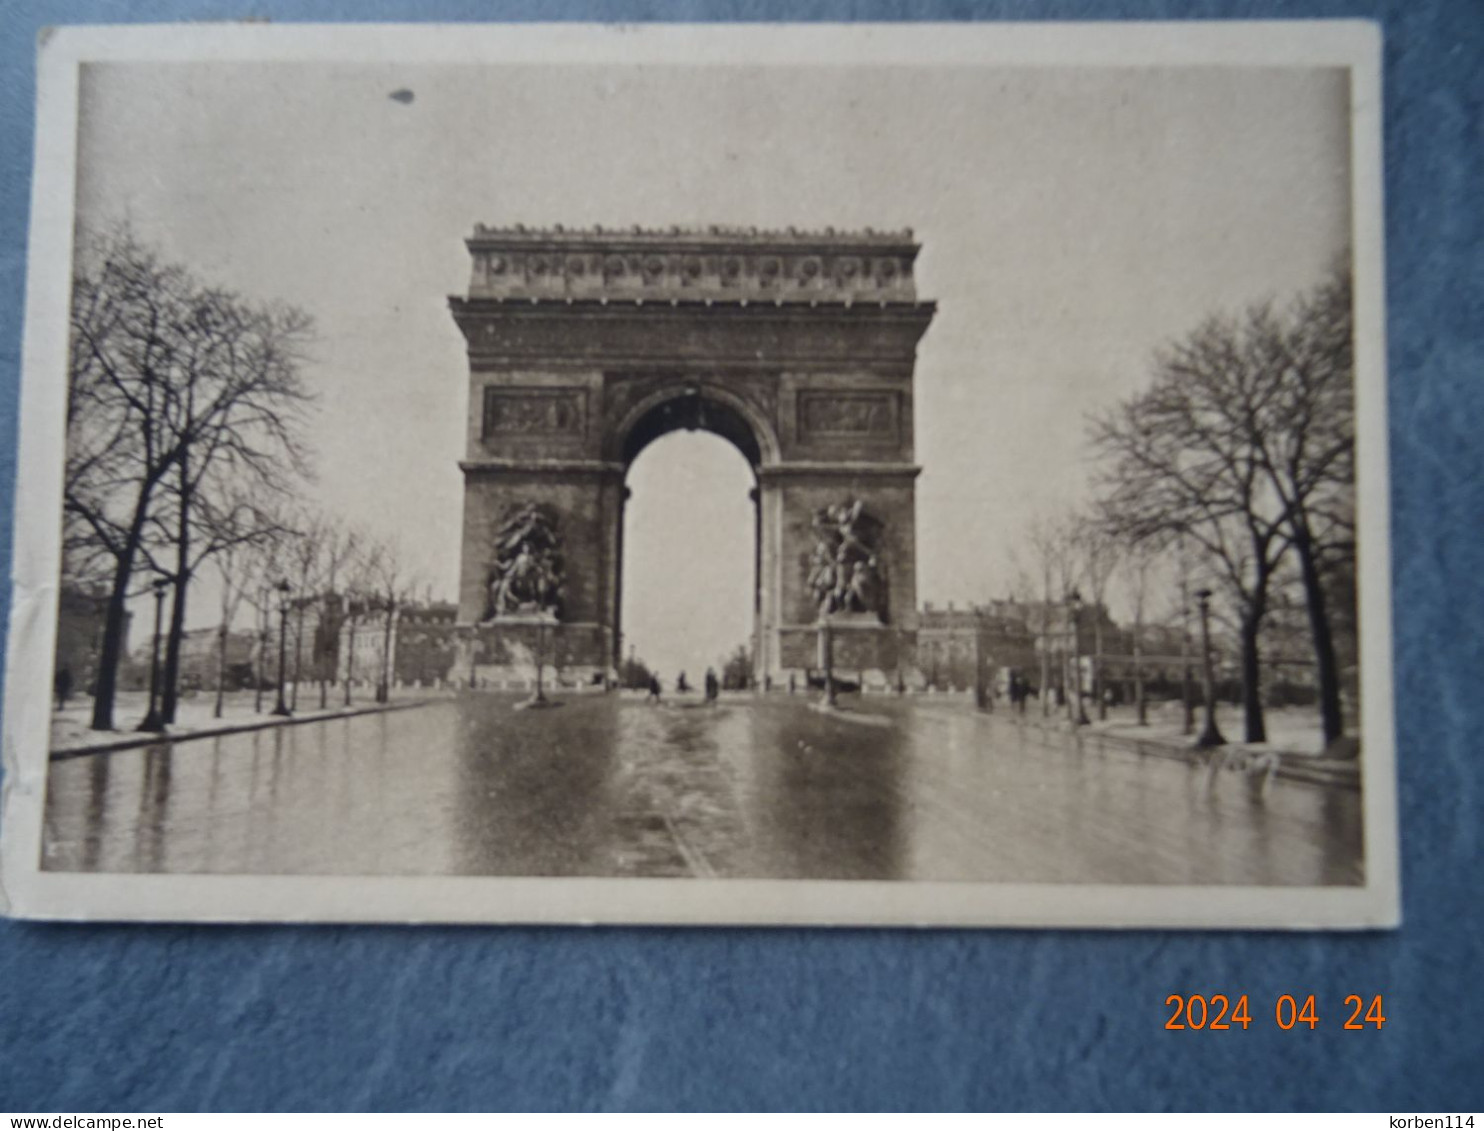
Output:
x,y
152,720
473,657
260,660
1075,709
283,588
540,696
1187,703
1210,736
827,644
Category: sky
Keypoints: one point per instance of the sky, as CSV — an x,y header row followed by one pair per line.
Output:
x,y
1071,221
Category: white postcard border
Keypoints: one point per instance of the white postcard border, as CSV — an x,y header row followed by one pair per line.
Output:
x,y
27,891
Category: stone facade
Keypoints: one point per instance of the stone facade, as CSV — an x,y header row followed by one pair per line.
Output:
x,y
797,347
976,648
80,615
202,664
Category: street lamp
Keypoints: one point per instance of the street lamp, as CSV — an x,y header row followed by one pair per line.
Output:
x,y
284,589
540,696
1210,736
152,720
1187,703
827,645
1074,608
473,657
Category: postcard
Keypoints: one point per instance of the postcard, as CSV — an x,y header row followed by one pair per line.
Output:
x,y
831,474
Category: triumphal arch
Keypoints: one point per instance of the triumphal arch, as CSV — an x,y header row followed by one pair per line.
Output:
x,y
584,346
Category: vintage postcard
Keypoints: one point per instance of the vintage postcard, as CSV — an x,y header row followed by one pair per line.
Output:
x,y
917,475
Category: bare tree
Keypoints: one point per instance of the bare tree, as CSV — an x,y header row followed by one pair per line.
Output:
x,y
390,585
1058,563
357,600
240,563
169,382
119,447
1100,551
1245,443
1306,442
1179,459
264,566
340,548
1140,565
306,550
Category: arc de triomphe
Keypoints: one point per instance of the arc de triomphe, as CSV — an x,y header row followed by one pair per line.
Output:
x,y
584,346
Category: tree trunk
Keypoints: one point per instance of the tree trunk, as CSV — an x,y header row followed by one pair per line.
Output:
x,y
350,658
1139,699
383,690
1045,647
1097,666
1326,667
170,675
323,664
112,647
171,678
221,670
1256,730
113,626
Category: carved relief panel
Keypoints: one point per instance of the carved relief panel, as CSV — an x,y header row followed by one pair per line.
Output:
x,y
870,417
524,410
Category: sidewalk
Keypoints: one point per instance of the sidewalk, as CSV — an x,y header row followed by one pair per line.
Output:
x,y
1294,750
195,717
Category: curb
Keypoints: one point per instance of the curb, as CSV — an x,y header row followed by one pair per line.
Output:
x,y
219,732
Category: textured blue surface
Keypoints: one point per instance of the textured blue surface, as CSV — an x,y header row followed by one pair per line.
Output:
x,y
160,1018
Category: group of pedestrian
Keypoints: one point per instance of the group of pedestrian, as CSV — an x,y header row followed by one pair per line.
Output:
x,y
712,687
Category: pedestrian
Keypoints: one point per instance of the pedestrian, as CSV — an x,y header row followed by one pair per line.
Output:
x,y
790,683
681,687
654,689
712,689
62,686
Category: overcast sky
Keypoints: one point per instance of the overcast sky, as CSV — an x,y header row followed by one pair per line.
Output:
x,y
1071,221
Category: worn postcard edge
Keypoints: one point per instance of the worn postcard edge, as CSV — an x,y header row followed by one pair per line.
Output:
x,y
26,891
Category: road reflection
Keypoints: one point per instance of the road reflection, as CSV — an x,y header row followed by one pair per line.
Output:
x,y
608,787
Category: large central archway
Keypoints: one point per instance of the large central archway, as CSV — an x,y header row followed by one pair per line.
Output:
x,y
584,347
688,556
679,578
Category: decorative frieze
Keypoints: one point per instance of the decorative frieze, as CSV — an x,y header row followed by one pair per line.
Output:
x,y
717,263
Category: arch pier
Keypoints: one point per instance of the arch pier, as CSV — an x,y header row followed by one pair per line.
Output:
x,y
585,346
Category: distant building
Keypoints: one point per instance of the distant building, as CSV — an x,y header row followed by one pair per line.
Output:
x,y
201,659
417,647
968,648
81,612
424,643
1034,640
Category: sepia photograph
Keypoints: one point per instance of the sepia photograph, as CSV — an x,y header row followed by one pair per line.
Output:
x,y
829,475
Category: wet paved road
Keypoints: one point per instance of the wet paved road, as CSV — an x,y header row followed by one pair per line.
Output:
x,y
609,787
